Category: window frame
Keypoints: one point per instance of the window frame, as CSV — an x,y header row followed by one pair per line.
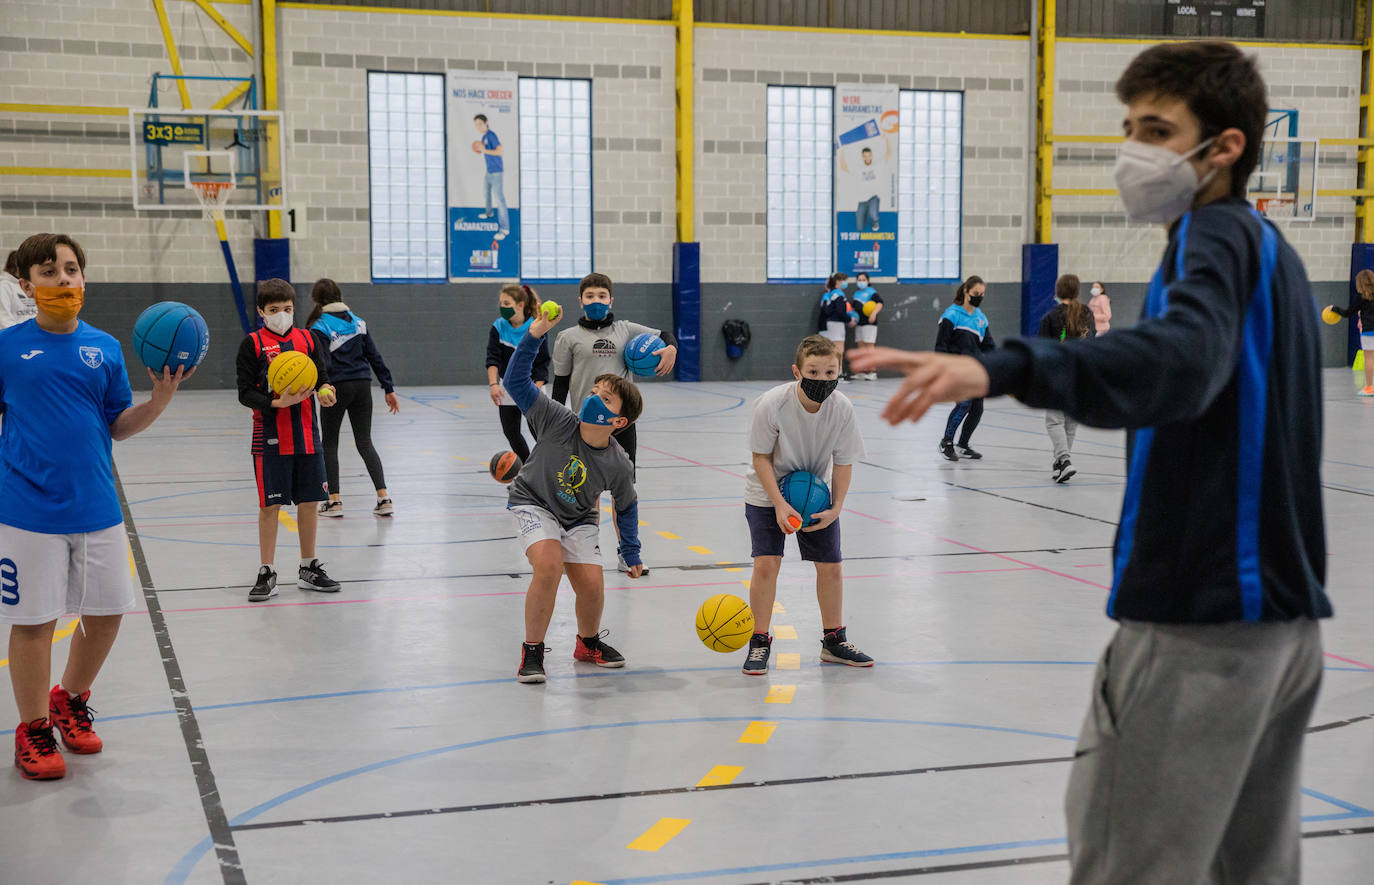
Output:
x,y
901,196
371,213
591,182
829,192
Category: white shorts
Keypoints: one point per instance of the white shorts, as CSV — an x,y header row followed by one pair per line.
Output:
x,y
866,334
1367,343
834,331
581,543
43,577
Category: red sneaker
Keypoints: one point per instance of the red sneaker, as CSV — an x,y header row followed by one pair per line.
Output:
x,y
598,653
35,751
73,720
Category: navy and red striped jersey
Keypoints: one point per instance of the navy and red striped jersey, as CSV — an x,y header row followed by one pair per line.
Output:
x,y
290,431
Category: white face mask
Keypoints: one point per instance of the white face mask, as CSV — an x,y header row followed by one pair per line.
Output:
x,y
278,322
1156,184
1097,290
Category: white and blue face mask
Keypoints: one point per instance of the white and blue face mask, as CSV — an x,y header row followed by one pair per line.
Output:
x,y
595,411
596,311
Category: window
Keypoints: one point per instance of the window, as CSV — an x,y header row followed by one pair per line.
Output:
x,y
555,178
801,121
931,125
406,160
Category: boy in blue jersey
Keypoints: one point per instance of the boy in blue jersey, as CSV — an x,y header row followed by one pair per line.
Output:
x,y
554,500
1188,763
63,550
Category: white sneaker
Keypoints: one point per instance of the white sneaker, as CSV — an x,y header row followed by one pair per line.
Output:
x,y
383,508
624,566
500,235
871,376
332,509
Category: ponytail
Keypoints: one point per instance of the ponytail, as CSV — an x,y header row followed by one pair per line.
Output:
x,y
524,296
967,284
325,291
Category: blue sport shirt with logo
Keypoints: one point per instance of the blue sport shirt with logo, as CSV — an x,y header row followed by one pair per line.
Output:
x,y
494,161
60,394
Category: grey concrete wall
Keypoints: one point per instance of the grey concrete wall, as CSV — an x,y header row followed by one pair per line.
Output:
x,y
428,334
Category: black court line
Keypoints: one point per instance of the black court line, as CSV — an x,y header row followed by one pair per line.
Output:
x,y
231,869
1341,724
1110,522
634,794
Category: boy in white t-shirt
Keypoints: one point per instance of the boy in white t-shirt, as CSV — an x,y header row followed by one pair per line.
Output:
x,y
803,425
15,306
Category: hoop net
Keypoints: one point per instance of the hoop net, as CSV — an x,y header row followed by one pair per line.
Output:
x,y
1276,207
212,195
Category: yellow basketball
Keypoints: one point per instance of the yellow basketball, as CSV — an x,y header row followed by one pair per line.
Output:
x,y
1330,316
291,371
725,623
869,307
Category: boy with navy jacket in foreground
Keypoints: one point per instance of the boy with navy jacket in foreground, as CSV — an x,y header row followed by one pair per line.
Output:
x,y
1188,763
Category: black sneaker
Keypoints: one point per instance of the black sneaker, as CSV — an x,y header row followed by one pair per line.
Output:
x,y
312,577
531,663
595,651
966,452
756,664
836,649
947,449
1064,471
266,586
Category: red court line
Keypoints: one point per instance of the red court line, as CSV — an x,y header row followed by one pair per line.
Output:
x,y
1349,661
697,463
433,596
1001,556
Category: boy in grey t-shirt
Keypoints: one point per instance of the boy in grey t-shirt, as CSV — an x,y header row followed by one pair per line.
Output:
x,y
554,501
804,425
596,347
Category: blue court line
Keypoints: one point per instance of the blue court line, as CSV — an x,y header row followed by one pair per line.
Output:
x,y
836,861
183,867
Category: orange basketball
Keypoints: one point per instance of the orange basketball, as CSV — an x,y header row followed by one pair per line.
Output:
x,y
505,466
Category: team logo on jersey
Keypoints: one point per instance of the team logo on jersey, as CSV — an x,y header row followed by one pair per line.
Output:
x,y
30,355
604,347
571,478
9,582
93,357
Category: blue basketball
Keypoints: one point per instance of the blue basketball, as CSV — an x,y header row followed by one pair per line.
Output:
x,y
171,335
807,494
640,354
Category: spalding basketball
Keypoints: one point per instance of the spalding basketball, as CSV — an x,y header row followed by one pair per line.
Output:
x,y
505,466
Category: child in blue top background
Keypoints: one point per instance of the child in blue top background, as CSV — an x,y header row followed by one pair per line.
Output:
x,y
835,312
964,330
866,332
518,305
353,358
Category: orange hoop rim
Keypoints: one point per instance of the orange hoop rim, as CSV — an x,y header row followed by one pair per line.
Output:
x,y
213,193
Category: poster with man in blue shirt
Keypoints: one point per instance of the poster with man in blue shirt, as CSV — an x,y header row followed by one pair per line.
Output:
x,y
484,225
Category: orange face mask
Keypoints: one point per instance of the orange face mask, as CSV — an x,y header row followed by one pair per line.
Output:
x,y
62,303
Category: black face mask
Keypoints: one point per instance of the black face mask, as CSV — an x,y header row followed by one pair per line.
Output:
x,y
975,300
817,389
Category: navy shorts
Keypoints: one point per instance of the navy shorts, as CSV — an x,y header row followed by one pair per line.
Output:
x,y
290,479
768,540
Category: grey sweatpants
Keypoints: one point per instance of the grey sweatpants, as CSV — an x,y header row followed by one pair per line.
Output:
x,y
1062,430
1188,763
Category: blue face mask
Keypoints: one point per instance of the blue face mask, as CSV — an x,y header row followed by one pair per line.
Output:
x,y
595,411
596,311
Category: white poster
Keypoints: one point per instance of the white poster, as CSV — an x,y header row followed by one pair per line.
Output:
x,y
866,179
483,175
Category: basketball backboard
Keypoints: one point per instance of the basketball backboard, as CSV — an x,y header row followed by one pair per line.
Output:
x,y
172,150
1284,183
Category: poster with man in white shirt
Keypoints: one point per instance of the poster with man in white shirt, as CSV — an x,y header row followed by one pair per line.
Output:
x,y
866,179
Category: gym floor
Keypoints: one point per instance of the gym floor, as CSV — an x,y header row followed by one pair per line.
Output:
x,y
381,732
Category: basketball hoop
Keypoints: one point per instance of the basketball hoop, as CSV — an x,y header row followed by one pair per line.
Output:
x,y
1275,207
212,195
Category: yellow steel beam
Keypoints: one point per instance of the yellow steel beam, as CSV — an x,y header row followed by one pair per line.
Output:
x,y
269,101
1364,213
684,17
1044,122
172,54
1092,139
396,10
225,26
90,110
64,172
231,96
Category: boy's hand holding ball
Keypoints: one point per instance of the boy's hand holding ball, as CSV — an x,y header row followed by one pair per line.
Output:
x,y
327,395
549,315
